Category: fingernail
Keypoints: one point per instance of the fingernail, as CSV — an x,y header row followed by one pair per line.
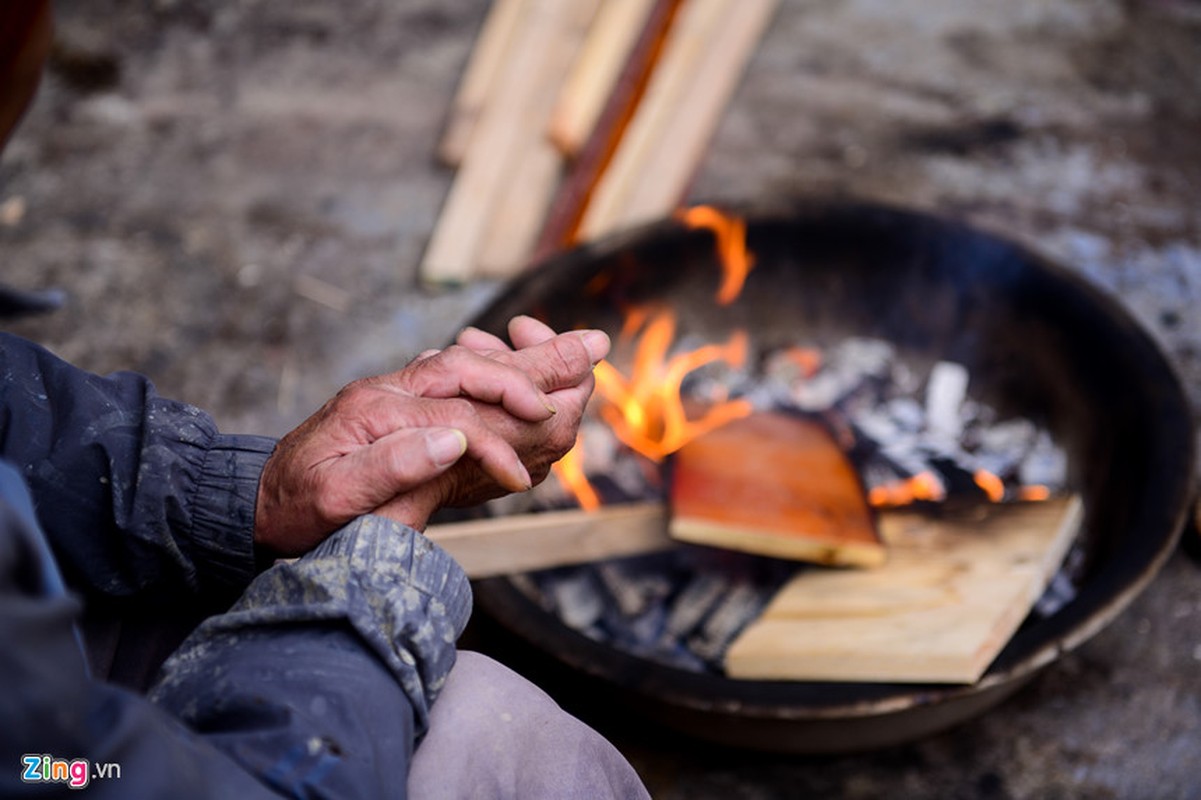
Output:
x,y
597,344
549,405
526,481
446,445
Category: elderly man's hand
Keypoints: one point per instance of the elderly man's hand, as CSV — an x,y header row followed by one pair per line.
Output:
x,y
539,353
453,427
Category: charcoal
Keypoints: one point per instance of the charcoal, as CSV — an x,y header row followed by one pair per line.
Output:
x,y
685,606
633,586
577,597
853,366
905,458
945,394
740,605
906,413
1045,465
1059,592
1002,447
879,426
692,604
862,356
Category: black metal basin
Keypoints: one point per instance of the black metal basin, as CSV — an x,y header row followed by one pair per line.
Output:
x,y
1038,340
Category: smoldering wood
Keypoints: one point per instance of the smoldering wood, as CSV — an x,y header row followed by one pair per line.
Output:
x,y
683,605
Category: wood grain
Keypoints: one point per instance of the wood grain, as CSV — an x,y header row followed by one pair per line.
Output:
x,y
951,595
777,485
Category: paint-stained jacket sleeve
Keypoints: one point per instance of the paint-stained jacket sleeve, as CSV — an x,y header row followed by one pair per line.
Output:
x,y
321,677
314,685
134,491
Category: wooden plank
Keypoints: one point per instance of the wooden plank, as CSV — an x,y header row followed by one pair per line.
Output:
x,y
492,48
777,485
706,54
690,36
591,163
595,72
951,595
537,165
682,142
503,126
520,543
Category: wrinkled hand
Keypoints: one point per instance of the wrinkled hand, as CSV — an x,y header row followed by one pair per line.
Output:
x,y
550,361
452,428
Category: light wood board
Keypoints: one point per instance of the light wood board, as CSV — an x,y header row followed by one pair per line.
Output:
x,y
948,600
525,542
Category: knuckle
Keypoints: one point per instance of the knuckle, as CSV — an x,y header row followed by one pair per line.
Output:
x,y
331,504
570,355
461,408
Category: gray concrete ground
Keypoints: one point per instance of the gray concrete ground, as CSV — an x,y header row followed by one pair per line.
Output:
x,y
191,167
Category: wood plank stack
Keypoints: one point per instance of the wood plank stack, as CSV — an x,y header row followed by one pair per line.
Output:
x,y
574,119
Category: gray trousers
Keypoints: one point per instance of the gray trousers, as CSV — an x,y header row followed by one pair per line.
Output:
x,y
493,735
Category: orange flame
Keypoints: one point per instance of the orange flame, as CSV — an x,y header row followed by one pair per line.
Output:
x,y
570,472
736,260
645,410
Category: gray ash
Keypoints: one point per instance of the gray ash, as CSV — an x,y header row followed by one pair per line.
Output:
x,y
684,607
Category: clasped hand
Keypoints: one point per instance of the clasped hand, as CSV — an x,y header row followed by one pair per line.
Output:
x,y
455,427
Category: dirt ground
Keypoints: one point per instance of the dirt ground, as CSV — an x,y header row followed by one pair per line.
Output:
x,y
235,196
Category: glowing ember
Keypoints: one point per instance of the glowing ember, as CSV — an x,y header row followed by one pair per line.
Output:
x,y
923,486
993,486
1034,493
807,359
736,260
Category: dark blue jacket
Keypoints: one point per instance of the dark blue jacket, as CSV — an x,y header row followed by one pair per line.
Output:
x,y
315,683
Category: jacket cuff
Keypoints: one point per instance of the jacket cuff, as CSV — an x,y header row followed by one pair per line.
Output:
x,y
407,599
223,508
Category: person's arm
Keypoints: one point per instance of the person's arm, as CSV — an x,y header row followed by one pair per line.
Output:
x,y
321,677
315,685
137,491
133,490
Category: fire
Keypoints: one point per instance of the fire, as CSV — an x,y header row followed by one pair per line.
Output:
x,y
570,472
645,410
807,359
736,260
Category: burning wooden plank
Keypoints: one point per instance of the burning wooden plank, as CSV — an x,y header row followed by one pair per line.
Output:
x,y
951,596
777,485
